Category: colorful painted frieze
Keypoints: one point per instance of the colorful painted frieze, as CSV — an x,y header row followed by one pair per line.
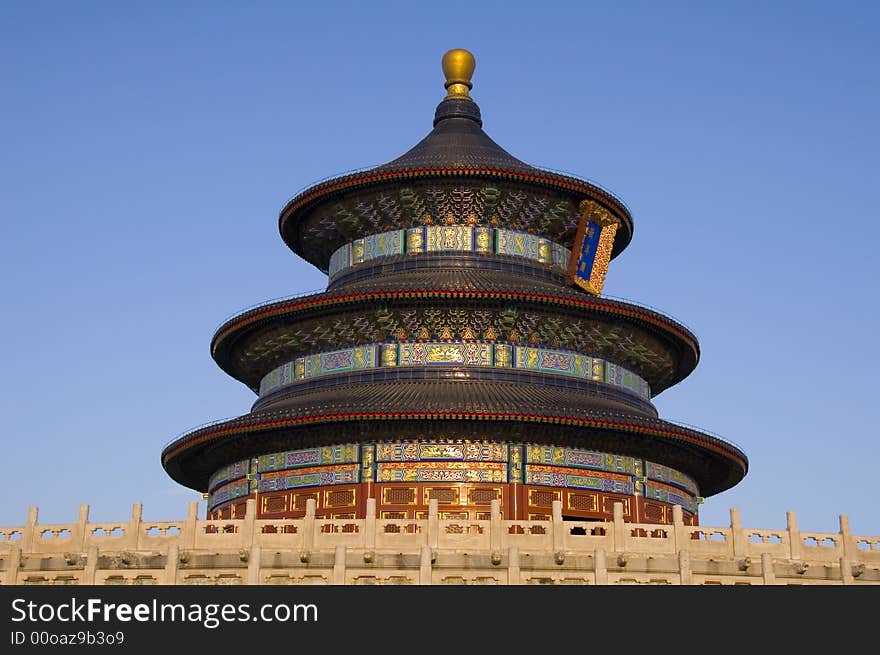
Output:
x,y
339,260
672,495
368,462
450,238
385,244
454,353
415,240
292,459
470,451
441,472
515,463
555,476
560,256
578,458
558,362
518,244
672,477
502,355
309,477
440,238
228,492
621,377
227,473
483,239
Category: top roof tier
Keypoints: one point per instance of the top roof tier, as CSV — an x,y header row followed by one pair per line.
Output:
x,y
456,175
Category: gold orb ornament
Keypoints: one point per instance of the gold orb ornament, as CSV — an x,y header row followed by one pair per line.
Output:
x,y
458,67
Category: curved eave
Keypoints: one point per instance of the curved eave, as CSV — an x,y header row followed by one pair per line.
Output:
x,y
303,202
228,333
194,445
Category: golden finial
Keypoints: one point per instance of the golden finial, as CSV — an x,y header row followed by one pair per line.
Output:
x,y
458,67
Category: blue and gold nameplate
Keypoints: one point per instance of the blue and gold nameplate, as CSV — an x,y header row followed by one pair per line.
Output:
x,y
593,242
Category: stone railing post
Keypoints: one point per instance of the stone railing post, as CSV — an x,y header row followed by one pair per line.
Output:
x,y
513,572
794,535
29,534
370,527
600,564
850,549
684,567
846,572
680,537
13,564
309,527
91,566
133,532
433,523
248,525
81,530
425,564
767,571
189,529
255,556
339,566
172,561
619,529
737,534
558,532
495,532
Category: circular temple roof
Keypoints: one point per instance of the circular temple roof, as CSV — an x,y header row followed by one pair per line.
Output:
x,y
457,147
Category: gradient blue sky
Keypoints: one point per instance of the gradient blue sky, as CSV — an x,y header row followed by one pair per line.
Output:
x,y
146,149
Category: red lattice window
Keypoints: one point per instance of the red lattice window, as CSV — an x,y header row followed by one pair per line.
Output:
x,y
444,495
542,498
274,504
340,498
299,500
583,502
399,496
654,512
483,496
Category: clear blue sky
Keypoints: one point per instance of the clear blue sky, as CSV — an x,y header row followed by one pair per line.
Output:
x,y
146,149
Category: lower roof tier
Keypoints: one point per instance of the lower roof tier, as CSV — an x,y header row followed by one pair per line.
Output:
x,y
461,410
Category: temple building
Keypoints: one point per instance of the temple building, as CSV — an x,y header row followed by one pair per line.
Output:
x,y
460,406
462,352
